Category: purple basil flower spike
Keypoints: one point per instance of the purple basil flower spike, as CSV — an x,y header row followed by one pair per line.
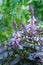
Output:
x,y
15,26
16,40
15,35
31,10
24,30
23,27
32,18
16,29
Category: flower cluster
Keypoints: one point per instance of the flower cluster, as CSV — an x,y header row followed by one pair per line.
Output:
x,y
29,33
26,44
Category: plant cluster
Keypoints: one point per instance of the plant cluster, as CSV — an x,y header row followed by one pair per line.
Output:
x,y
26,45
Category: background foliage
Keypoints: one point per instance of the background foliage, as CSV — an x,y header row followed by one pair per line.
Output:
x,y
13,10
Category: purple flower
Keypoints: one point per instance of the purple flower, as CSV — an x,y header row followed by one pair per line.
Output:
x,y
17,34
35,38
16,39
31,24
32,19
31,10
42,48
31,27
15,26
24,30
41,60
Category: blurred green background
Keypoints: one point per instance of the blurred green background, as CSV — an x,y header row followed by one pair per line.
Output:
x,y
17,10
